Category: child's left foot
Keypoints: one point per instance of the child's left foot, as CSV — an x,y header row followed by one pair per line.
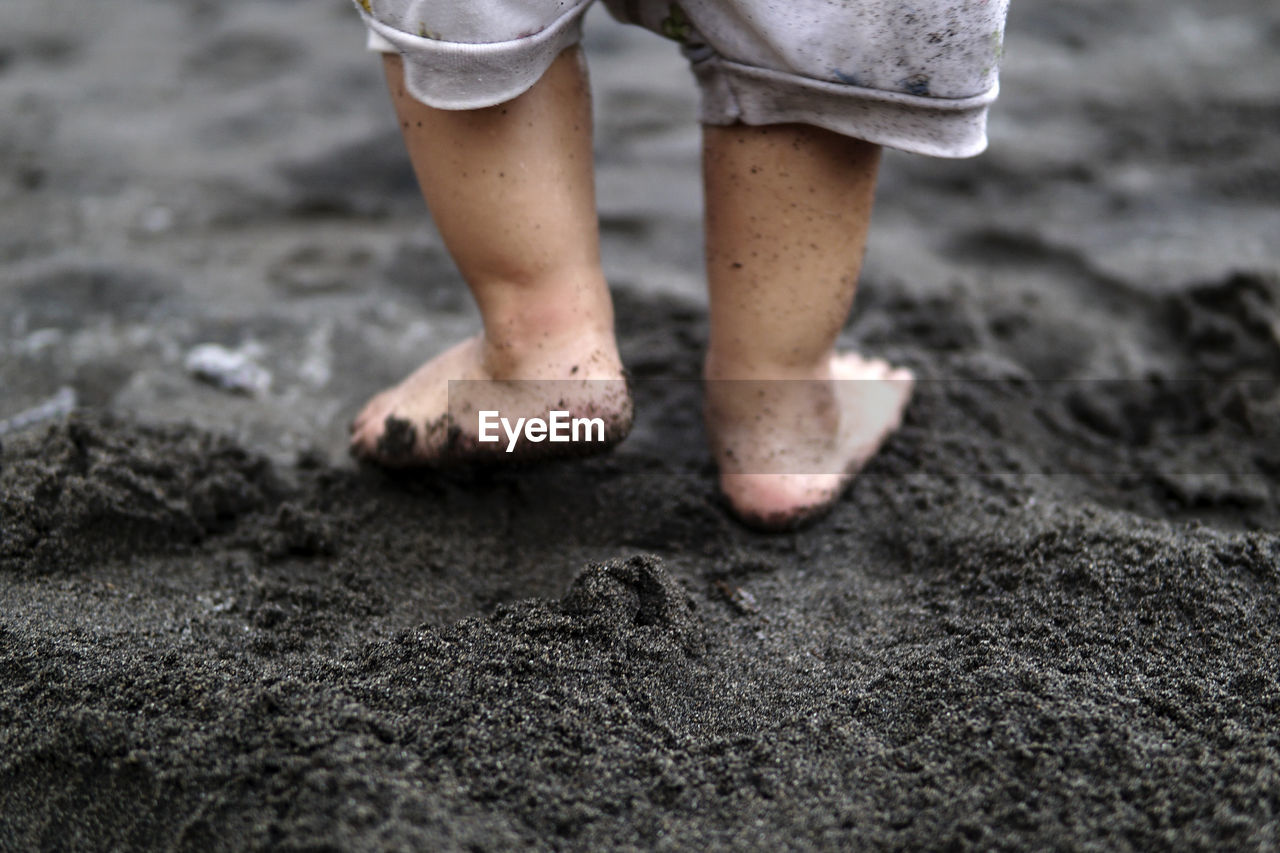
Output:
x,y
424,422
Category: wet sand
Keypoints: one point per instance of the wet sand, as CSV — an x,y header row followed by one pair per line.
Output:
x,y
1048,614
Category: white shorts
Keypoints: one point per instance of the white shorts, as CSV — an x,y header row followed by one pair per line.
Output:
x,y
918,76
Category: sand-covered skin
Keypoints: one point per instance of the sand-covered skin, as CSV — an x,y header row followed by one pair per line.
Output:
x,y
1046,615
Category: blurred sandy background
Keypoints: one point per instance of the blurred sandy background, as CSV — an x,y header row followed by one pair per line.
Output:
x,y
195,172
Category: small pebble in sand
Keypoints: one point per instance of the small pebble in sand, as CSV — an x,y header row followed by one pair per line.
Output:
x,y
230,370
56,407
742,601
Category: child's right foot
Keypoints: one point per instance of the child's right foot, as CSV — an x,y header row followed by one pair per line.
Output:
x,y
788,448
423,422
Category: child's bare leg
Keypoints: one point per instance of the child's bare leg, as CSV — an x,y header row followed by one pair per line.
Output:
x,y
787,213
511,190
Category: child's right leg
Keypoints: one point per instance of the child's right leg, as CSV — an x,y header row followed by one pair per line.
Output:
x,y
791,420
788,90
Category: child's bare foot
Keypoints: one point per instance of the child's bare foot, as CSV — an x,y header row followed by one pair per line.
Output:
x,y
788,448
423,421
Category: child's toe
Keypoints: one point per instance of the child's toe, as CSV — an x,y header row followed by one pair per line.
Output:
x,y
363,442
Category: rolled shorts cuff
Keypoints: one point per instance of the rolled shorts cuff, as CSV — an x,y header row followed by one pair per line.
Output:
x,y
463,76
938,127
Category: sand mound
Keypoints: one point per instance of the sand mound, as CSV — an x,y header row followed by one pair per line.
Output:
x,y
228,672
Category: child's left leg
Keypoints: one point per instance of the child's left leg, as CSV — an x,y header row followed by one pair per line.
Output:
x,y
511,190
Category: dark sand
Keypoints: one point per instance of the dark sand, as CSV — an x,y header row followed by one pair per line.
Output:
x,y
1047,615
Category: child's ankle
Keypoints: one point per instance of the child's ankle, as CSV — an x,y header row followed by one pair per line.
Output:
x,y
719,366
578,354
